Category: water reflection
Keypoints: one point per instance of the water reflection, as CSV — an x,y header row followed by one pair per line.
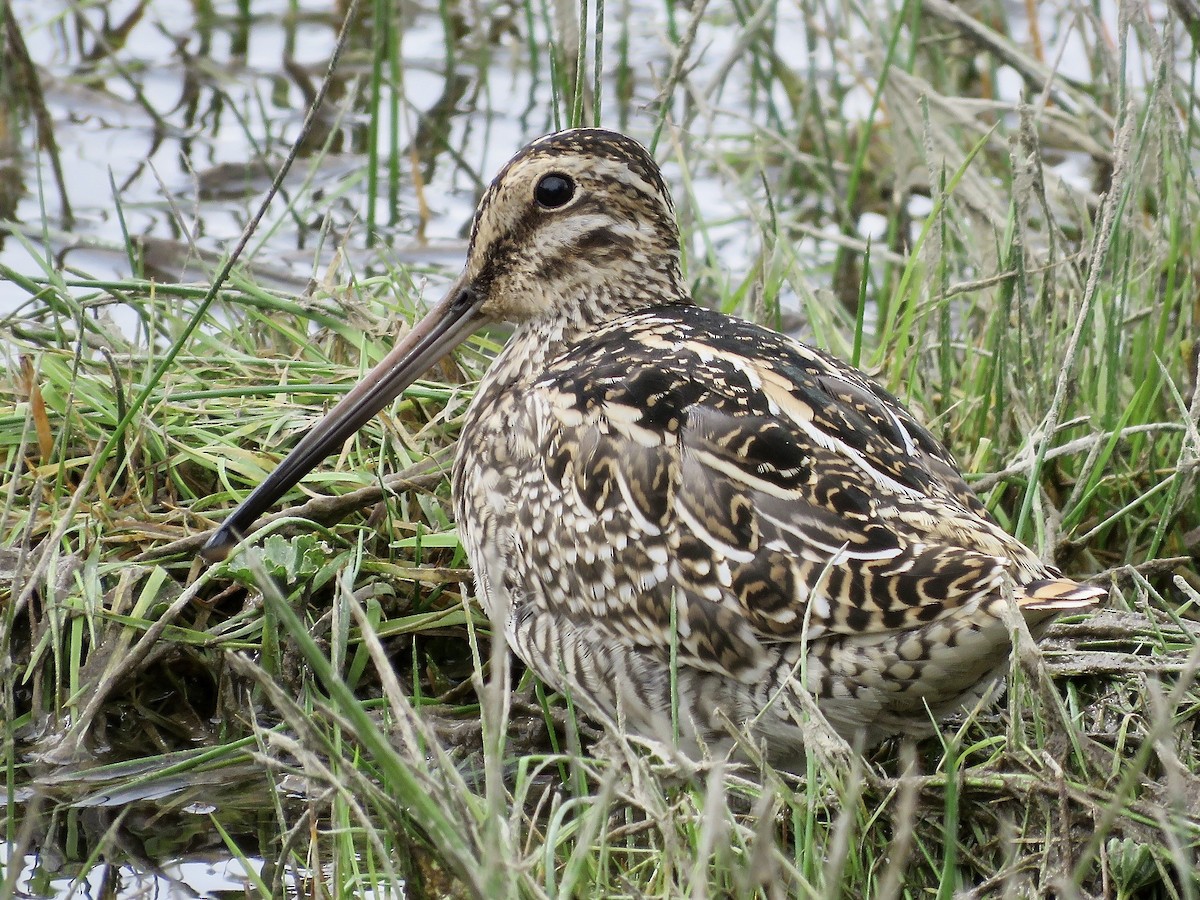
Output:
x,y
169,118
166,847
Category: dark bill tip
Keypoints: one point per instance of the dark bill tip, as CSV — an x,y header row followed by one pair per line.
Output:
x,y
445,326
218,545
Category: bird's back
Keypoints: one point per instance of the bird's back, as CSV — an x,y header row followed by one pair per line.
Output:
x,y
680,482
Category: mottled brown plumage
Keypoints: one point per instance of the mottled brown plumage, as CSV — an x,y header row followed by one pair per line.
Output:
x,y
638,476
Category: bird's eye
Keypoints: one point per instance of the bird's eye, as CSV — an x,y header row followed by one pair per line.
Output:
x,y
554,191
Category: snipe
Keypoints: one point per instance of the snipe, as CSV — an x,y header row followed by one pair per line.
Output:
x,y
639,477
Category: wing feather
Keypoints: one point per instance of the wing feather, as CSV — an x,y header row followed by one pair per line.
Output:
x,y
790,496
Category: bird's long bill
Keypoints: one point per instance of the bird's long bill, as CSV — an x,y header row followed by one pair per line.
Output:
x,y
447,324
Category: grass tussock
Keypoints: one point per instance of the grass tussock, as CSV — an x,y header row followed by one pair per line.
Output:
x,y
921,189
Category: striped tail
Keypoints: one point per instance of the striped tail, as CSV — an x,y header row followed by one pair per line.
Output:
x,y
1059,594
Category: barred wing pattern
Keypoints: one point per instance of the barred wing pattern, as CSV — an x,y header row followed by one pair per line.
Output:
x,y
778,499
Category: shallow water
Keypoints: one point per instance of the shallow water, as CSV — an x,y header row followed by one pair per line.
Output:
x,y
170,120
160,841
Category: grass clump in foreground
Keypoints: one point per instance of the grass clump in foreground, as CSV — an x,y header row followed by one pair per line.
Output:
x,y
337,700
